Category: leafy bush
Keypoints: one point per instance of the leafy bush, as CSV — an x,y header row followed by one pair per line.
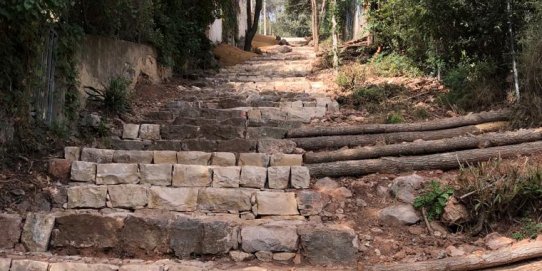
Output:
x,y
434,199
395,118
394,65
351,76
529,229
498,191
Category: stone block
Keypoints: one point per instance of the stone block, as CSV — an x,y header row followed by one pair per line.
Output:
x,y
281,159
11,227
72,153
5,263
160,174
191,176
87,231
300,177
254,159
224,200
135,157
223,159
254,116
311,202
266,132
276,203
165,157
283,256
173,199
329,245
149,131
254,177
165,145
146,234
141,267
269,238
193,158
237,145
83,171
130,131
97,155
37,231
264,256
129,196
186,237
117,174
87,196
219,237
67,266
279,177
271,146
60,168
28,265
227,177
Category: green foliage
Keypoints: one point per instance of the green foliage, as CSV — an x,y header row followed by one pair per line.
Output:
x,y
529,229
500,191
394,65
394,118
434,199
295,20
115,98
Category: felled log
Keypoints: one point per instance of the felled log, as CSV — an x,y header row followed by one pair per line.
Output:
x,y
426,147
449,160
439,124
518,252
325,142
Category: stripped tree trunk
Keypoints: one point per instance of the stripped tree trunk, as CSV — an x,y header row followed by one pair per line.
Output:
x,y
315,25
252,25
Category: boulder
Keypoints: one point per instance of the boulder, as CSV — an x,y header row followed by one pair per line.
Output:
x,y
311,202
404,187
495,241
403,214
37,231
253,176
326,184
173,199
276,203
191,176
455,213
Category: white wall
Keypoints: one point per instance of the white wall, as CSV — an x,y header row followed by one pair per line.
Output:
x,y
215,31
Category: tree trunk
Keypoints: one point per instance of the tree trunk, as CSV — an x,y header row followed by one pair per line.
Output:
x,y
252,25
442,161
264,17
315,25
334,33
439,124
519,252
335,142
426,147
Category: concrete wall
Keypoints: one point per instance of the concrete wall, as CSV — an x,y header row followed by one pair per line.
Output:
x,y
101,59
215,31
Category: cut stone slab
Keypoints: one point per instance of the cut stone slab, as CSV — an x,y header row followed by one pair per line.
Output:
x,y
224,200
186,237
193,158
165,157
67,266
130,131
269,238
283,256
240,256
219,237
149,131
311,202
137,157
28,265
129,196
87,196
191,176
276,203
226,177
117,174
156,174
403,214
83,171
146,234
264,256
281,159
86,231
271,146
223,159
300,177
97,155
173,199
60,168
5,263
72,153
253,176
141,267
37,231
254,159
279,177
329,245
11,227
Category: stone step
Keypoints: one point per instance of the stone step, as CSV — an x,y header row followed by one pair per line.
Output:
x,y
13,261
150,234
277,86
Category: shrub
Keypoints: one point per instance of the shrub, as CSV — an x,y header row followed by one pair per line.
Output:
x,y
394,65
115,98
395,118
351,76
529,229
434,199
498,191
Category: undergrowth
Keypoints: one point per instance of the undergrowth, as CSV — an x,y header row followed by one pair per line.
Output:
x,y
434,199
115,98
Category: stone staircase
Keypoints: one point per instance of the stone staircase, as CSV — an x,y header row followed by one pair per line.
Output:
x,y
209,178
